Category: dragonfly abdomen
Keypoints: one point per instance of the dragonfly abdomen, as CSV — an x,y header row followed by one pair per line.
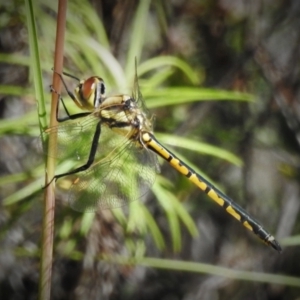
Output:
x,y
228,204
235,210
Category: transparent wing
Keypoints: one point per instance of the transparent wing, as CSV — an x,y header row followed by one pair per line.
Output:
x,y
123,170
124,173
74,138
137,95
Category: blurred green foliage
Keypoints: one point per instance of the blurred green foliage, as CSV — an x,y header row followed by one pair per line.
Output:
x,y
177,92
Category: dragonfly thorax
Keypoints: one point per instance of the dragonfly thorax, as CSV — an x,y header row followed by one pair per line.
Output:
x,y
122,114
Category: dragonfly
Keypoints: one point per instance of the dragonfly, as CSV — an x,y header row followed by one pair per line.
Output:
x,y
117,133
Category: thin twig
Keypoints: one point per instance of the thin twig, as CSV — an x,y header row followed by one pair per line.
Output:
x,y
49,207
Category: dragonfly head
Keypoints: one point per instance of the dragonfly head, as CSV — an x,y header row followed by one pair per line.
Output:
x,y
90,93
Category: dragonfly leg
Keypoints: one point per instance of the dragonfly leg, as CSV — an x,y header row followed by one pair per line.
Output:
x,y
90,159
69,116
65,85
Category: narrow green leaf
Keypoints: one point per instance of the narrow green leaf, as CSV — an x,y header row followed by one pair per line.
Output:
x,y
35,64
15,58
185,217
155,63
137,35
154,229
183,95
165,199
202,148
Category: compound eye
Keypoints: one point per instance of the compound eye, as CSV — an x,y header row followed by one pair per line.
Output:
x,y
101,85
88,87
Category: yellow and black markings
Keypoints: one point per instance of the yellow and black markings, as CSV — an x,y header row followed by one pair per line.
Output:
x,y
220,198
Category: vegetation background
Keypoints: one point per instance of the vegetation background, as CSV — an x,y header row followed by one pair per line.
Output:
x,y
191,55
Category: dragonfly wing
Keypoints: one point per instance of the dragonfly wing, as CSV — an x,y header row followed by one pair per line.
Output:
x,y
123,175
74,138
